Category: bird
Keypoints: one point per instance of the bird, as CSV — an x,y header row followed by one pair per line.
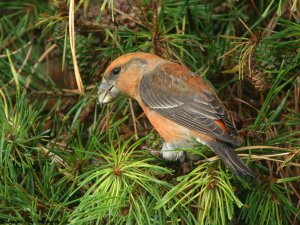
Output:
x,y
182,106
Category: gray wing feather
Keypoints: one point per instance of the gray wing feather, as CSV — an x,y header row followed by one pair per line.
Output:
x,y
221,112
191,110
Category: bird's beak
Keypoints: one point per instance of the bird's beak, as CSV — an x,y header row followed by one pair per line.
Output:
x,y
107,91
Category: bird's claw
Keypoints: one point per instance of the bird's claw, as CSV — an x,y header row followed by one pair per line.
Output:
x,y
153,152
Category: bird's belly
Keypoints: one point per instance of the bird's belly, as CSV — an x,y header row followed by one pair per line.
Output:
x,y
169,131
174,135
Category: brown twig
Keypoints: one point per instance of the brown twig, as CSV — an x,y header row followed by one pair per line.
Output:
x,y
22,66
16,51
134,120
73,48
154,6
130,18
41,59
271,157
25,60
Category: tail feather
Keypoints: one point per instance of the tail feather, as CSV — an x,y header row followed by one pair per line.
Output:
x,y
230,158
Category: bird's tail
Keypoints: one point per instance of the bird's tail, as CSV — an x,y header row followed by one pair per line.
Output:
x,y
230,158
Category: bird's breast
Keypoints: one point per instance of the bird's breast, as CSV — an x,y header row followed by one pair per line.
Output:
x,y
170,131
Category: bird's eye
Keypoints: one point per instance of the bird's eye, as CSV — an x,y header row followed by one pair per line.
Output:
x,y
116,70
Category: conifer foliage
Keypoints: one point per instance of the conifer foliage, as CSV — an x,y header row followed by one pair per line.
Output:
x,y
65,159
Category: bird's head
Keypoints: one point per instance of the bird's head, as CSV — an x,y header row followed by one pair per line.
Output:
x,y
123,75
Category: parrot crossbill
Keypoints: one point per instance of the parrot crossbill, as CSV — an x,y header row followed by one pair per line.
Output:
x,y
180,105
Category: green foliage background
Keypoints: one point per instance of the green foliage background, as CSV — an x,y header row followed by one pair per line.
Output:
x,y
66,160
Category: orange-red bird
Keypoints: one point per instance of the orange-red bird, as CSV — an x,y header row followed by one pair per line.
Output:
x,y
180,105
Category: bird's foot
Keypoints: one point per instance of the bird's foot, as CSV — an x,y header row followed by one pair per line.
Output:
x,y
185,167
153,152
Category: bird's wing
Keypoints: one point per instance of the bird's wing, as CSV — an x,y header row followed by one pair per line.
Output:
x,y
186,99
